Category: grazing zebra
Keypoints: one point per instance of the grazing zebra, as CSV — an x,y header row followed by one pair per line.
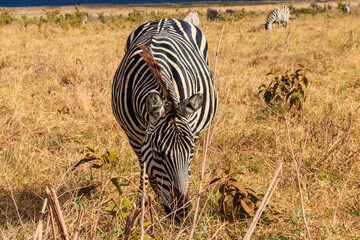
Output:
x,y
163,96
229,11
192,17
278,15
213,14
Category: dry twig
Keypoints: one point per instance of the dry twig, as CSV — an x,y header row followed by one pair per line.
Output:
x,y
143,203
264,202
130,223
298,177
56,210
38,233
78,225
206,144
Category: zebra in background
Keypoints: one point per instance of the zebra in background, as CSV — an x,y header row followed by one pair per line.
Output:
x,y
278,15
213,14
163,96
192,17
347,7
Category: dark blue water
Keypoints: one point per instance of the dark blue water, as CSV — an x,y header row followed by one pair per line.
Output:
x,y
27,3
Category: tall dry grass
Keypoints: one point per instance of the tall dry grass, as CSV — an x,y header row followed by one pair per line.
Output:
x,y
55,100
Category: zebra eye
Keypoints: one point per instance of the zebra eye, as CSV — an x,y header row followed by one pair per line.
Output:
x,y
160,155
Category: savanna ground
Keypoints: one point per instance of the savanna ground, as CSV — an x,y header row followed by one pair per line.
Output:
x,y
55,101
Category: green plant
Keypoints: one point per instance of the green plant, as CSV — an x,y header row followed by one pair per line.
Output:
x,y
285,90
235,200
6,17
116,205
135,16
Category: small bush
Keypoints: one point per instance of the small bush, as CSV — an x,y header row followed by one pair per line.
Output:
x,y
236,15
341,6
27,20
135,16
237,200
285,90
6,17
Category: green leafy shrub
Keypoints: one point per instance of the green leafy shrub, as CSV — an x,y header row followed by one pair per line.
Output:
x,y
236,199
135,16
6,17
286,90
341,6
236,15
27,21
77,18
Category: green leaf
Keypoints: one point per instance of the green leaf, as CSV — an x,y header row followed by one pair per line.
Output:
x,y
240,188
215,180
111,208
85,190
305,81
236,200
91,149
111,155
84,160
96,166
78,204
118,184
125,203
248,206
147,224
252,193
221,202
222,188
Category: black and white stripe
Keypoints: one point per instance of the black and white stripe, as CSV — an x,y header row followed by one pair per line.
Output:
x,y
278,15
162,129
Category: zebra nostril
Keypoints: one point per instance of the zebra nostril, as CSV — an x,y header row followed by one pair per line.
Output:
x,y
180,203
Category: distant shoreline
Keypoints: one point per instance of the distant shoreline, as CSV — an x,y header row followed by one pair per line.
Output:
x,y
155,3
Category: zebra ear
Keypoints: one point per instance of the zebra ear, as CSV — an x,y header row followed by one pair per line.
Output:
x,y
154,106
191,104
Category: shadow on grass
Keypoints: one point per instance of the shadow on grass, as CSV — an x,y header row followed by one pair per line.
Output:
x,y
28,202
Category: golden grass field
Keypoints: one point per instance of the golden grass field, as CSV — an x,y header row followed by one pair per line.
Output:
x,y
55,89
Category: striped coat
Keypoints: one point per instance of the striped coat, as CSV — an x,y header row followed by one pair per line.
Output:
x,y
278,15
163,96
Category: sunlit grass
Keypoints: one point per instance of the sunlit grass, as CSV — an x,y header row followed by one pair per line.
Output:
x,y
55,100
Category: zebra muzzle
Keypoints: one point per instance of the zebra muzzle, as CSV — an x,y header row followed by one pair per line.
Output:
x,y
179,203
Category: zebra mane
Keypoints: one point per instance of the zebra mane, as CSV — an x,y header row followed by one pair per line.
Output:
x,y
269,14
155,69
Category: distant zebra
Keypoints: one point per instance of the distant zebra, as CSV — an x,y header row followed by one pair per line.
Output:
x,y
163,96
346,7
229,11
212,14
192,17
278,15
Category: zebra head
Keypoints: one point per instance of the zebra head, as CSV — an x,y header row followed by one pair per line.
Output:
x,y
168,148
169,141
268,26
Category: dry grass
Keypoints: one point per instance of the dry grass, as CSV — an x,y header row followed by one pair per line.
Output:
x,y
55,101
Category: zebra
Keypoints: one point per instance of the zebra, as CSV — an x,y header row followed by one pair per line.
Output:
x,y
192,17
212,14
346,7
229,11
278,15
163,96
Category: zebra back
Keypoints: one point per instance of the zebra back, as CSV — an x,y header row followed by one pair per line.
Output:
x,y
163,96
278,15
